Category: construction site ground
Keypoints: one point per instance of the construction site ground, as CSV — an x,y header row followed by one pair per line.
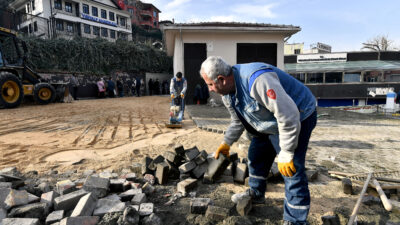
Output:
x,y
114,133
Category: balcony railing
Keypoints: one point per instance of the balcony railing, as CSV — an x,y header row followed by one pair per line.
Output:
x,y
147,22
146,13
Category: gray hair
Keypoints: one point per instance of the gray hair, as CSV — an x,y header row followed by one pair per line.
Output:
x,y
214,66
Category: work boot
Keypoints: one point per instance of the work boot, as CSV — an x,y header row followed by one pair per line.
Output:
x,y
249,192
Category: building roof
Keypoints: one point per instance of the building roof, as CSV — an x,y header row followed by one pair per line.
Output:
x,y
349,66
150,6
232,26
171,30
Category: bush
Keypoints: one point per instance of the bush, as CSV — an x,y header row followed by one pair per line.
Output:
x,y
95,56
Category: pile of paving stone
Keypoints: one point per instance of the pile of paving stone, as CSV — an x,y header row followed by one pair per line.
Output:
x,y
111,198
98,198
93,200
192,163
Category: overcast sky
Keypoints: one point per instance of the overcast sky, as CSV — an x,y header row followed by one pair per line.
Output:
x,y
343,24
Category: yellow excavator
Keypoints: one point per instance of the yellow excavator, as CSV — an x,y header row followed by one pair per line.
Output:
x,y
18,80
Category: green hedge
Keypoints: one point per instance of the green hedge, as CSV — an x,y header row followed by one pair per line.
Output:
x,y
95,56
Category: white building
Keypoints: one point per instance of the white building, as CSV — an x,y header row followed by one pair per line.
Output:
x,y
69,18
190,44
318,48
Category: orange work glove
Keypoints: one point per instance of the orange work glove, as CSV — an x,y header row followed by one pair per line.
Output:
x,y
224,149
285,164
287,169
182,95
172,96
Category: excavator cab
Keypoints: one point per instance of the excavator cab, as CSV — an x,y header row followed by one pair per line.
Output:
x,y
17,79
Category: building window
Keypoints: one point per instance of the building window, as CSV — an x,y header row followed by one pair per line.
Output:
x,y
96,31
112,34
155,23
154,14
28,8
68,7
104,32
352,77
94,11
86,28
60,25
333,77
35,27
300,77
123,36
30,28
57,4
122,21
70,27
130,10
103,14
297,51
33,5
111,16
315,78
372,76
85,8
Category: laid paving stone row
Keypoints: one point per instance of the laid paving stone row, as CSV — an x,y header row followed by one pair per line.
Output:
x,y
215,126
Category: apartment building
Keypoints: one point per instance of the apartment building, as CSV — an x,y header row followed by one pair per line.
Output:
x,y
71,18
293,49
144,15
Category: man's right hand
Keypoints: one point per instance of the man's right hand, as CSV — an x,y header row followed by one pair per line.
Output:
x,y
172,96
224,149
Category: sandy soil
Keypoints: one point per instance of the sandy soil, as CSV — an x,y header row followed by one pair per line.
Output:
x,y
111,134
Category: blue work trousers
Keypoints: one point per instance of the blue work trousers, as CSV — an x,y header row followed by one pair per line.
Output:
x,y
261,155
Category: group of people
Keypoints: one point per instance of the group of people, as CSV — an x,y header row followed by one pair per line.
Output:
x,y
107,87
157,88
110,89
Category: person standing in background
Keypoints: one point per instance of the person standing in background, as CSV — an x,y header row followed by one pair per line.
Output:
x,y
138,86
156,86
101,88
150,86
74,83
111,88
120,88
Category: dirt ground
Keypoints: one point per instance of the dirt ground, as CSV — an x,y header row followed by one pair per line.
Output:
x,y
111,134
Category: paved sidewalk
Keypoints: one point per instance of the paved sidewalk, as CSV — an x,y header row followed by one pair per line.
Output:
x,y
213,119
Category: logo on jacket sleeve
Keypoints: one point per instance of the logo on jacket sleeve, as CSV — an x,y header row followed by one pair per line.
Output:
x,y
271,94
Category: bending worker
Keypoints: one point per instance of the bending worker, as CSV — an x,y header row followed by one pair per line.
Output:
x,y
178,87
279,113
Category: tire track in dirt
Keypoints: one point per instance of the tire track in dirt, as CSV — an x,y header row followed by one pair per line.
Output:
x,y
14,122
100,132
130,126
114,132
61,127
88,128
159,132
13,154
142,123
29,127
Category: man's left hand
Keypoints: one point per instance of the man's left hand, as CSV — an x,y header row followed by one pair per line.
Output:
x,y
182,96
287,169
